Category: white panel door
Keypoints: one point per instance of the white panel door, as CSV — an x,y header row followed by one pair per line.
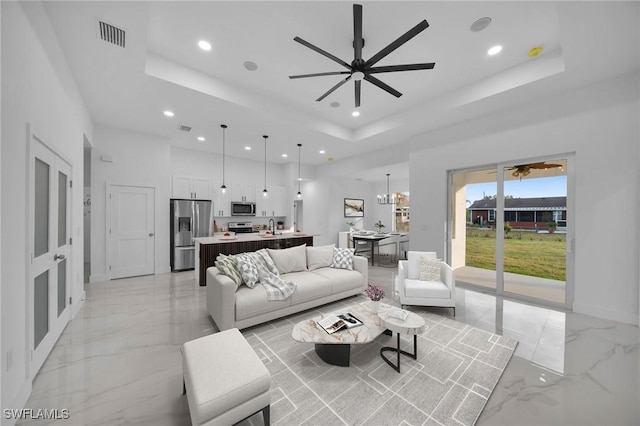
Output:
x,y
50,218
131,231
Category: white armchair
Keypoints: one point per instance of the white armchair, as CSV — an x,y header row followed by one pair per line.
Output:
x,y
413,291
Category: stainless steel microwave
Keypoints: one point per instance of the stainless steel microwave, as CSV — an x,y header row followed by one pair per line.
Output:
x,y
243,208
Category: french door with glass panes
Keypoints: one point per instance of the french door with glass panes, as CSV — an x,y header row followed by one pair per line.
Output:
x,y
50,246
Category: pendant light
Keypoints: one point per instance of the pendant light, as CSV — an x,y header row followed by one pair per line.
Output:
x,y
299,178
223,188
265,193
387,198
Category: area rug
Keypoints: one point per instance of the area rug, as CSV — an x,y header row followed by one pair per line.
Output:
x,y
457,368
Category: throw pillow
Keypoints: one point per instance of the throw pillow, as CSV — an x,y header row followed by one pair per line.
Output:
x,y
430,269
289,260
227,266
413,262
342,258
248,269
320,257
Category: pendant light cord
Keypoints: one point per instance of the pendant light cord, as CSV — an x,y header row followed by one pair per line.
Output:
x,y
299,147
224,128
265,163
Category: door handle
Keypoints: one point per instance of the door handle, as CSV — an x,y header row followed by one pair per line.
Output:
x,y
151,234
59,257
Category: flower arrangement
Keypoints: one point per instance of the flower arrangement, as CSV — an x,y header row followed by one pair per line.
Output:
x,y
379,225
374,293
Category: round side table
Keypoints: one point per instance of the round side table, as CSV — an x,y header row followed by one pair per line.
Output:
x,y
412,325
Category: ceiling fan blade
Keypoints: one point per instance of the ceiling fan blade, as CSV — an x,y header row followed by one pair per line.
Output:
x,y
357,31
408,67
319,74
340,83
383,86
322,52
397,43
358,85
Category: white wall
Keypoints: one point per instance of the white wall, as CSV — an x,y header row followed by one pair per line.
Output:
x,y
37,88
600,124
138,160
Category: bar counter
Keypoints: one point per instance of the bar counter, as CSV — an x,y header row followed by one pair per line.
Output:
x,y
208,248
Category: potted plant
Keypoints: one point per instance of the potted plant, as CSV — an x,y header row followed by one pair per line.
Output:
x,y
351,225
551,226
379,225
375,295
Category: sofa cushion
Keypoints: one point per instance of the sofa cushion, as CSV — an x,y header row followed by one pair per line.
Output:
x,y
251,302
413,260
290,260
341,279
319,257
426,289
342,258
309,286
248,268
430,269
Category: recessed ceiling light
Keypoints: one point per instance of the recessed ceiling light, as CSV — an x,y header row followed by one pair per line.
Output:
x,y
247,148
480,24
535,51
334,104
204,45
201,138
285,155
494,50
169,113
251,66
355,113
322,151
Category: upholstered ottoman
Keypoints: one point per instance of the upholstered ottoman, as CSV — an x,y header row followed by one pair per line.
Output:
x,y
224,379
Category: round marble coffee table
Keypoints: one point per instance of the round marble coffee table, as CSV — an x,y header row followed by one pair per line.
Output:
x,y
413,325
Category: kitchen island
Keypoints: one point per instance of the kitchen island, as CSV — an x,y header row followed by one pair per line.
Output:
x,y
208,248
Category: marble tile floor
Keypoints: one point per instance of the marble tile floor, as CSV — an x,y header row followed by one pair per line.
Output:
x,y
118,362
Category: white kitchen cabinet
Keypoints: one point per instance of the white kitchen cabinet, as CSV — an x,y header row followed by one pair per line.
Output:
x,y
221,202
243,192
183,186
273,205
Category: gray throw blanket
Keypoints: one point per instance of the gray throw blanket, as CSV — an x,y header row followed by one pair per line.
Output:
x,y
276,287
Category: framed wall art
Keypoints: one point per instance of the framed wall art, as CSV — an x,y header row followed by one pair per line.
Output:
x,y
353,207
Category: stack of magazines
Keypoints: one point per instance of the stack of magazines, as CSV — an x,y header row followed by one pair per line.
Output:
x,y
333,323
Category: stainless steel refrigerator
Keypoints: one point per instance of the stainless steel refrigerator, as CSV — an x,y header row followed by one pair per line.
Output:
x,y
189,219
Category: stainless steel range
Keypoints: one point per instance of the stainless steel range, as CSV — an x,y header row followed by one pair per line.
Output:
x,y
240,227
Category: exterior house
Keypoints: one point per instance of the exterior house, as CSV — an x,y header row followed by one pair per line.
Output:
x,y
522,213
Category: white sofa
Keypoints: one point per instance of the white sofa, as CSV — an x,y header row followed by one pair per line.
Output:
x,y
314,287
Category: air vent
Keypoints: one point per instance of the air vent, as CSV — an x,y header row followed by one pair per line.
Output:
x,y
111,34
184,128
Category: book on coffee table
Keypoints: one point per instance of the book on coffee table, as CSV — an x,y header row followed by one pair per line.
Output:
x,y
333,323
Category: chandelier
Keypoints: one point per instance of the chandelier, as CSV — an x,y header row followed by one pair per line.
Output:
x,y
388,198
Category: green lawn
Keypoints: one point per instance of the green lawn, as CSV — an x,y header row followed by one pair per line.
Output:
x,y
527,253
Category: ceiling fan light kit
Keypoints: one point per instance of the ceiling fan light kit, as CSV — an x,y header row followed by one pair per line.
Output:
x,y
359,69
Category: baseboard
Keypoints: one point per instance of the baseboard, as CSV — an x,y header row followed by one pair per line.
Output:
x,y
595,311
98,278
76,306
19,401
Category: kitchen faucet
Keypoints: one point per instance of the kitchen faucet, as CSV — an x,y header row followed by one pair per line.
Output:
x,y
272,226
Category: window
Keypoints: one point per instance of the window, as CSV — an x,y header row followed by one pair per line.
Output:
x,y
402,212
492,215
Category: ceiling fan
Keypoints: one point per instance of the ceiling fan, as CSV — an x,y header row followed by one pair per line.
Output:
x,y
359,69
524,170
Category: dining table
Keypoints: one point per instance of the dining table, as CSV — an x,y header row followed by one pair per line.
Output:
x,y
372,239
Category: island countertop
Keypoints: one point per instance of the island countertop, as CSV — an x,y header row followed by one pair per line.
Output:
x,y
253,236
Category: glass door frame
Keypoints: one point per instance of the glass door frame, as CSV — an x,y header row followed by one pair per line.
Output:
x,y
570,235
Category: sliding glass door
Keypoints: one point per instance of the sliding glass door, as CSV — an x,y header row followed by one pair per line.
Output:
x,y
511,229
